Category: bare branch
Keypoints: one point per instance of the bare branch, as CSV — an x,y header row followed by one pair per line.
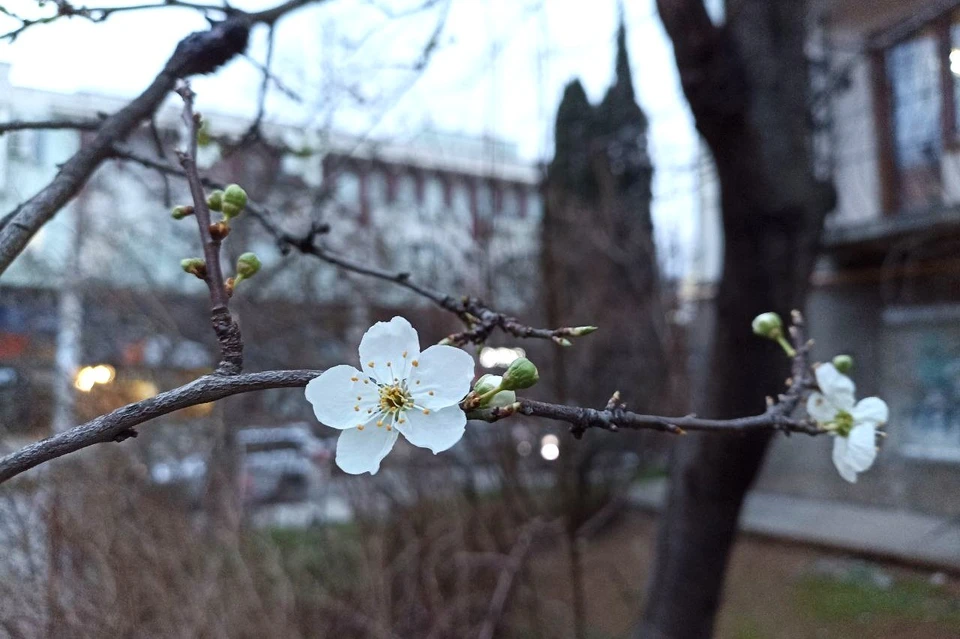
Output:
x,y
481,320
614,415
198,53
227,330
118,425
23,125
100,14
518,555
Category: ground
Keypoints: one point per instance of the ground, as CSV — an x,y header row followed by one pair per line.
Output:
x,y
775,591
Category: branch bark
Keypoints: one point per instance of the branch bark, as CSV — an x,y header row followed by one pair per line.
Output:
x,y
225,327
118,425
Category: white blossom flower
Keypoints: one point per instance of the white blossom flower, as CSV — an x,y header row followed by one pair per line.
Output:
x,y
398,390
853,424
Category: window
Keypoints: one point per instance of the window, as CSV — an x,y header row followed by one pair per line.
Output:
x,y
484,202
460,202
534,205
348,190
510,205
376,189
913,72
433,196
922,344
407,190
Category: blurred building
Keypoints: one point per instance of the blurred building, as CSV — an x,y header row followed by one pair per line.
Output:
x,y
101,286
886,103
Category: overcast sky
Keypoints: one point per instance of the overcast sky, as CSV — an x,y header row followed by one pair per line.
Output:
x,y
500,70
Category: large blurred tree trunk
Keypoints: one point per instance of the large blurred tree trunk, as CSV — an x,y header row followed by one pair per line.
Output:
x,y
747,86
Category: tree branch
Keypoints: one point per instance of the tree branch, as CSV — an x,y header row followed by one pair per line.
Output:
x,y
481,320
198,53
226,329
118,425
23,125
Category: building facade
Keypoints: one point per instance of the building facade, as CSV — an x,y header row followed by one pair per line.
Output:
x,y
887,286
101,285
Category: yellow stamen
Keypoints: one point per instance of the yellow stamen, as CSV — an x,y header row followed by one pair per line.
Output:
x,y
389,428
370,364
426,411
428,392
356,408
379,423
354,379
404,353
415,363
359,427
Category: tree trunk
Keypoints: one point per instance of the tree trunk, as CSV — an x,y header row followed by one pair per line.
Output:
x,y
747,84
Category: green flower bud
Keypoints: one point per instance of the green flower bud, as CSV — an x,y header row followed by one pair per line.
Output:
x,y
486,383
234,199
501,399
489,383
247,266
520,374
768,325
580,331
215,200
180,212
843,363
194,266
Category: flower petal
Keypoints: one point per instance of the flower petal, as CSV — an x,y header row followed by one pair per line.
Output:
x,y
436,430
840,448
387,348
820,409
871,410
340,397
837,387
361,451
442,377
862,447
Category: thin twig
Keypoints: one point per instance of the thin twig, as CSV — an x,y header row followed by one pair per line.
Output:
x,y
480,319
614,417
226,329
518,554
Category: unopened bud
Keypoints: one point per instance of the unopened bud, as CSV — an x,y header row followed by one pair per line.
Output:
x,y
215,200
194,266
486,383
247,266
580,331
180,212
234,200
489,383
520,374
768,325
843,363
562,341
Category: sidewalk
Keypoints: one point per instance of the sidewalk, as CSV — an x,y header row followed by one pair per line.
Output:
x,y
922,540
